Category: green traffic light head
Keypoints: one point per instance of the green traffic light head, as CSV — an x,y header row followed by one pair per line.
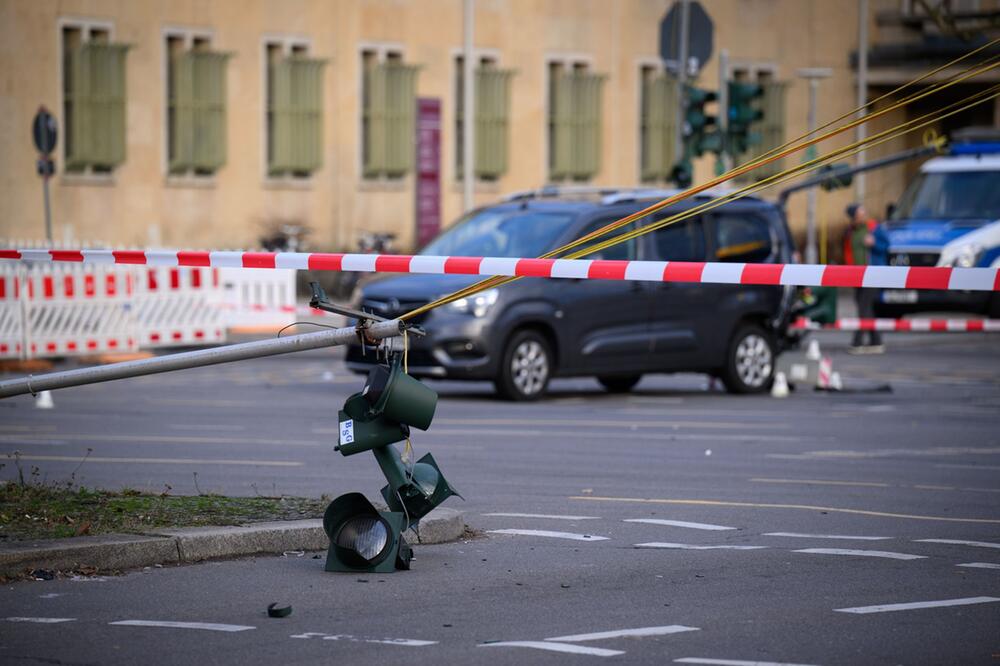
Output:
x,y
363,538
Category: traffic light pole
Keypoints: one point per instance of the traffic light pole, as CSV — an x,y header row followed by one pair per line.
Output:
x,y
682,71
725,159
202,357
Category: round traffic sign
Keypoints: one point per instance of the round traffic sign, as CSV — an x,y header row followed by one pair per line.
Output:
x,y
44,131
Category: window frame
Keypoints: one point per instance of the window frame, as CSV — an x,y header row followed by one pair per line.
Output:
x,y
489,57
188,36
86,26
568,60
382,52
659,68
289,44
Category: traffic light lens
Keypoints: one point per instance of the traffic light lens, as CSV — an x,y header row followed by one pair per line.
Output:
x,y
367,536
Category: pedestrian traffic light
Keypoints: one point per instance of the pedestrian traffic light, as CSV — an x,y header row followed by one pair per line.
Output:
x,y
742,113
374,419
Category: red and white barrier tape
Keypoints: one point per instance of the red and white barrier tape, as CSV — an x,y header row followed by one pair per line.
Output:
x,y
805,275
904,325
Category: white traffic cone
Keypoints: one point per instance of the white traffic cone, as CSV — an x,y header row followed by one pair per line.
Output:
x,y
44,400
835,383
780,387
824,377
812,352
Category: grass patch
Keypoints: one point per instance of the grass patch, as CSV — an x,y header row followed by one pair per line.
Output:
x,y
38,511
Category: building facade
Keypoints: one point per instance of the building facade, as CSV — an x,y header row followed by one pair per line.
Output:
x,y
213,124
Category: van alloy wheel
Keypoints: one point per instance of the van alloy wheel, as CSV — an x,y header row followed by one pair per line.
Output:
x,y
754,360
529,367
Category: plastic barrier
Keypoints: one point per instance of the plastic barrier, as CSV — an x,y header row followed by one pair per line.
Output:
x,y
257,299
178,306
904,325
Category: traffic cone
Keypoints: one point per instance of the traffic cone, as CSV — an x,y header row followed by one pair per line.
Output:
x,y
835,383
780,387
44,400
812,352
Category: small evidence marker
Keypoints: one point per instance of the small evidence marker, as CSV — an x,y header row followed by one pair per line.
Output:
x,y
678,523
916,605
861,553
553,535
960,542
689,546
42,620
568,648
979,565
208,626
846,537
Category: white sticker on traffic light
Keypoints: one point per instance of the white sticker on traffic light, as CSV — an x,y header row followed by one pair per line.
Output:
x,y
347,432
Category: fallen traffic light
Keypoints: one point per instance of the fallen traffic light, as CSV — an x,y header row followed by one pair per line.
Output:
x,y
374,419
363,538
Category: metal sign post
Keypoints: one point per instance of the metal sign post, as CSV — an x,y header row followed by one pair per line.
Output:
x,y
45,133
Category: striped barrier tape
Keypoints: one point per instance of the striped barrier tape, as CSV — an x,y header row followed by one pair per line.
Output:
x,y
904,325
806,275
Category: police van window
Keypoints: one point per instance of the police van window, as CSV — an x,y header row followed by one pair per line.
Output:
x,y
742,238
680,241
620,252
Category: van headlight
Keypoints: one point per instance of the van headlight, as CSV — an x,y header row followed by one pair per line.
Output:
x,y
477,305
967,256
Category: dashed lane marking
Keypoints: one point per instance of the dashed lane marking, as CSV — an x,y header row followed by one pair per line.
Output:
x,y
542,515
405,642
957,466
861,553
42,620
889,453
690,546
678,523
159,439
979,565
915,605
846,537
553,535
207,626
625,633
732,662
165,461
960,542
821,482
611,423
803,507
567,648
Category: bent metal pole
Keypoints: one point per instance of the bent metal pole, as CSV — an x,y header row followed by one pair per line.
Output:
x,y
194,359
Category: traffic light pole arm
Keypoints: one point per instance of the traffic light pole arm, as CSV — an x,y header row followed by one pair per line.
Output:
x,y
840,172
195,359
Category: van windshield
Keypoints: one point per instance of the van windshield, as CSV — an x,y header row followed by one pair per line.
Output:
x,y
965,195
493,233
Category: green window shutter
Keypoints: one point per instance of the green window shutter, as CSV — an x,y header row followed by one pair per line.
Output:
x,y
771,127
586,142
208,110
375,84
181,113
307,114
561,126
658,127
492,122
279,99
107,104
78,108
401,84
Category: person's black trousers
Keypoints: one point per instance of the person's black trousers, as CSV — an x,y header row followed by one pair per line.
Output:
x,y
865,299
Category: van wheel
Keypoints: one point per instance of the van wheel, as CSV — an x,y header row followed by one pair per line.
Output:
x,y
526,367
749,360
620,384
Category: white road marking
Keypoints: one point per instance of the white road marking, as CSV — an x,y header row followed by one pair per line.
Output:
x,y
554,535
678,523
557,647
166,461
957,466
960,542
732,662
861,553
979,565
625,633
542,515
688,546
827,536
886,608
209,626
42,620
406,642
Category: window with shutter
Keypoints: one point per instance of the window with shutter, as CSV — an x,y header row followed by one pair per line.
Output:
x,y
657,124
492,111
388,118
94,104
574,123
196,109
294,115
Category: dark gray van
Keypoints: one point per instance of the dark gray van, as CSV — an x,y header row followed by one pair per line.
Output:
x,y
525,333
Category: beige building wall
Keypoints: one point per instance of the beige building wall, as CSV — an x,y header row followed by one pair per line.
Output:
x,y
139,204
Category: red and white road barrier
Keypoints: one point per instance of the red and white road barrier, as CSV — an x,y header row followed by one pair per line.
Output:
x,y
176,306
806,275
904,325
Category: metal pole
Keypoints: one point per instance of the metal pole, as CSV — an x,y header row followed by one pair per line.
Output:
x,y
48,211
723,114
468,106
682,71
861,132
811,201
196,359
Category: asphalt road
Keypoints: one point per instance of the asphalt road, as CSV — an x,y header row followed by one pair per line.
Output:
x,y
859,527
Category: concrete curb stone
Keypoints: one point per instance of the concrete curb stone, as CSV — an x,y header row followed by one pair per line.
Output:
x,y
194,544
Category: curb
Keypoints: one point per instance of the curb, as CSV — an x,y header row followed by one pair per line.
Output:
x,y
194,544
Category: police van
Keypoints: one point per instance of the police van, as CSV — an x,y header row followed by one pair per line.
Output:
x,y
949,216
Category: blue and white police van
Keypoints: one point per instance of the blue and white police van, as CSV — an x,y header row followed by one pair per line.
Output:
x,y
949,216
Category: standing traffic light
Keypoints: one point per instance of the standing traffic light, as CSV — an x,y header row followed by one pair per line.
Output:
x,y
373,420
698,133
741,114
